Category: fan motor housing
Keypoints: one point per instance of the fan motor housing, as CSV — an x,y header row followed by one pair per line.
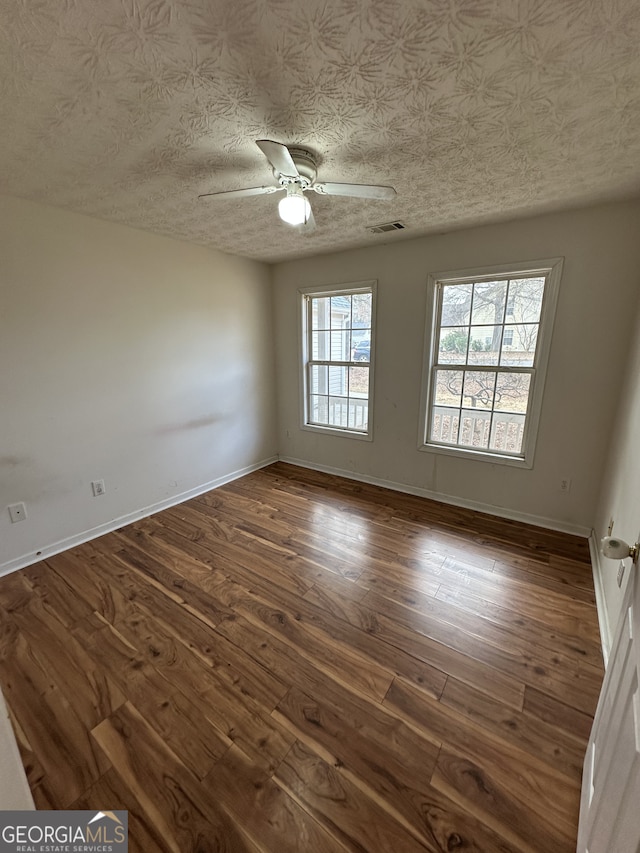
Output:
x,y
306,165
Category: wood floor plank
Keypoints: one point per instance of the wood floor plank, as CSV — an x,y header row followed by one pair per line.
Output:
x,y
289,571
525,602
156,643
561,749
557,714
268,815
542,782
379,755
65,664
492,778
59,740
15,591
554,629
176,561
298,661
339,662
553,671
180,692
339,806
192,596
398,587
449,660
55,594
179,808
222,555
114,795
284,659
488,795
557,649
339,633
230,708
552,580
33,769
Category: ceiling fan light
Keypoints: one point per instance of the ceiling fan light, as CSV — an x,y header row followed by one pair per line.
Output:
x,y
294,209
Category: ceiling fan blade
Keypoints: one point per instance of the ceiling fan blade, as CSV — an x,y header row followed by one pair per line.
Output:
x,y
310,225
355,190
243,193
279,157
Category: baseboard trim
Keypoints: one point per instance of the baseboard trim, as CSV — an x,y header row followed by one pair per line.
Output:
x,y
603,617
477,506
123,520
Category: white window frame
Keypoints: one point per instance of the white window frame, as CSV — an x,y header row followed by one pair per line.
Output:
x,y
347,288
551,269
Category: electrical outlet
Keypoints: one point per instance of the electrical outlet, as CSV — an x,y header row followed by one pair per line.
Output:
x,y
17,512
621,569
98,488
565,485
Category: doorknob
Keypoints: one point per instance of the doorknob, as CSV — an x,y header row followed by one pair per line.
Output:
x,y
618,549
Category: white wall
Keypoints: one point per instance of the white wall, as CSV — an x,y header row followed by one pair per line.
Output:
x,y
124,356
592,330
620,492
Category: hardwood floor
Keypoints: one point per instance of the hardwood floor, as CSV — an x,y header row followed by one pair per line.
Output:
x,y
296,662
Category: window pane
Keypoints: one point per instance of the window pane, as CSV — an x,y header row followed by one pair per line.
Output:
x,y
512,392
525,300
474,428
340,312
320,313
519,345
361,310
319,379
358,414
452,348
478,389
456,304
484,345
319,410
340,342
488,302
448,388
359,381
338,411
338,381
320,346
361,349
507,433
444,426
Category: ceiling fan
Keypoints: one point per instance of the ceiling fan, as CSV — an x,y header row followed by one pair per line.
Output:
x,y
295,172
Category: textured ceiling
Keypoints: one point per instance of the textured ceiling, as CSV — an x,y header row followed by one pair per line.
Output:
x,y
475,110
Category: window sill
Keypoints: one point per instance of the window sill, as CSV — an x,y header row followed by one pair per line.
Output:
x,y
478,455
359,436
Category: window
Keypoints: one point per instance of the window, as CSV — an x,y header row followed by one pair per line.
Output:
x,y
337,358
490,333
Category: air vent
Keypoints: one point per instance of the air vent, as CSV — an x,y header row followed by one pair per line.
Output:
x,y
387,226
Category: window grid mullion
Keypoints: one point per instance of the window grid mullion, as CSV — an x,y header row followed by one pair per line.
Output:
x,y
477,368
